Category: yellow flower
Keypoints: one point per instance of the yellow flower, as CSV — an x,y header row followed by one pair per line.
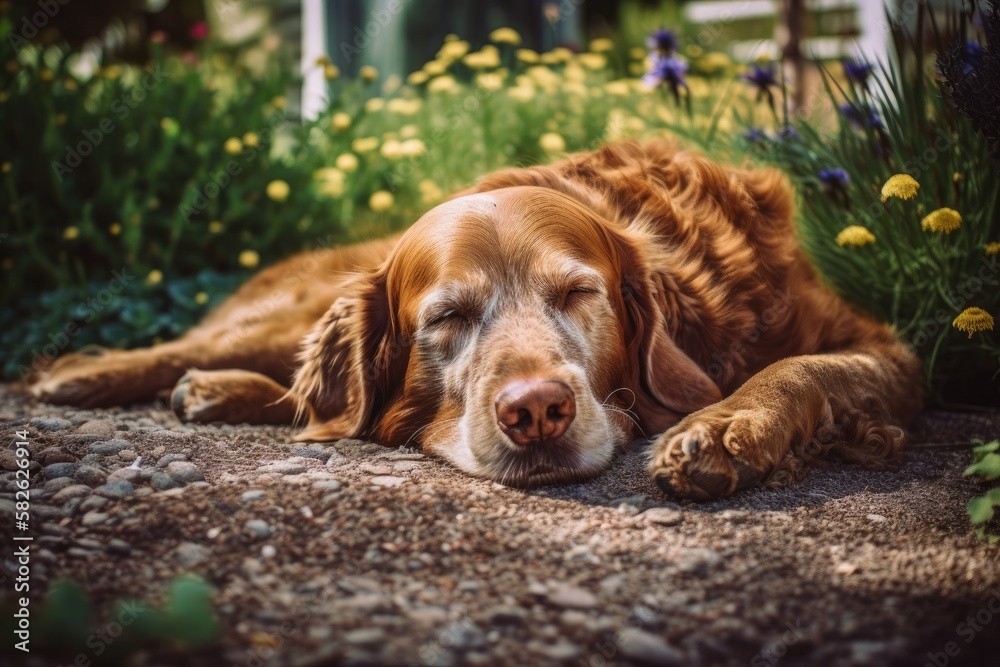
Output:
x,y
347,162
115,229
552,142
592,60
201,298
71,233
381,201
251,139
278,190
450,37
601,45
249,259
483,59
391,84
944,220
322,61
972,320
412,148
617,88
430,193
637,53
155,277
443,84
527,56
233,146
715,62
279,102
374,105
901,185
368,73
340,121
490,82
505,36
993,248
562,54
391,149
522,94
453,50
364,144
855,235
331,72
417,78
331,182
404,106
409,131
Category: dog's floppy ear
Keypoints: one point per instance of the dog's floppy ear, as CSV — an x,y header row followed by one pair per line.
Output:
x,y
666,376
346,365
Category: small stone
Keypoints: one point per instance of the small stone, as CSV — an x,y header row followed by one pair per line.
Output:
x,y
91,544
93,503
388,480
317,452
161,481
94,518
70,492
8,460
282,468
405,456
462,635
253,496
115,490
561,651
77,552
51,423
372,469
364,636
97,427
662,516
127,474
191,553
574,597
167,459
109,447
51,455
119,547
90,475
47,511
697,559
508,615
268,551
648,649
259,528
735,516
60,470
405,466
877,518
184,472
127,455
328,485
57,484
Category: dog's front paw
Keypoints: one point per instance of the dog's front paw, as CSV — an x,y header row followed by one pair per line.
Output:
x,y
716,452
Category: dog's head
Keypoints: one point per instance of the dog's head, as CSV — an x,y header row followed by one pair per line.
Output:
x,y
514,333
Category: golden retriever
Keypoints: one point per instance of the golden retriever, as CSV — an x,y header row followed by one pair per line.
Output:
x,y
531,326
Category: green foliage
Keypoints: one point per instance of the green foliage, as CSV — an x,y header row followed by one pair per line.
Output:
x,y
985,464
67,625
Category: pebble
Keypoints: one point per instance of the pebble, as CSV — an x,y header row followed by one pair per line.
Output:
x,y
8,460
282,468
508,615
127,474
94,518
51,423
573,597
51,455
405,456
735,516
192,553
462,635
167,459
90,543
97,427
90,475
373,469
161,481
185,472
119,547
561,651
108,447
268,551
388,480
405,466
57,484
253,496
328,485
127,455
93,503
697,559
313,452
259,528
60,470
364,636
115,490
648,649
877,518
70,492
47,511
662,516
77,552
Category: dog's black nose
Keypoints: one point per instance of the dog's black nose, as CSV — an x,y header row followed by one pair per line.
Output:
x,y
535,410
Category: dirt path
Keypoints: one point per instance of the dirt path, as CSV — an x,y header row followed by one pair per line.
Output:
x,y
350,553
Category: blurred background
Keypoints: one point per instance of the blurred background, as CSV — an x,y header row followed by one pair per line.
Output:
x,y
156,152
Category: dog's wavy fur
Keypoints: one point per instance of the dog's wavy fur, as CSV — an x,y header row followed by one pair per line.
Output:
x,y
700,316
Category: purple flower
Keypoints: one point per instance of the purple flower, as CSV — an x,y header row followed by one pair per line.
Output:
x,y
755,135
762,77
858,70
972,55
834,177
862,117
663,41
789,133
669,70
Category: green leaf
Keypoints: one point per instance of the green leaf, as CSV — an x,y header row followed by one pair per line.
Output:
x,y
981,508
189,614
988,466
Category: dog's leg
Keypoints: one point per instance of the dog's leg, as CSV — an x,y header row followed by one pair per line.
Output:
x,y
847,403
231,396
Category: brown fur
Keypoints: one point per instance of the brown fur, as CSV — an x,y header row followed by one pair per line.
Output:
x,y
667,291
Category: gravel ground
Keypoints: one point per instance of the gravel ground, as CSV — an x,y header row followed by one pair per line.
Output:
x,y
350,553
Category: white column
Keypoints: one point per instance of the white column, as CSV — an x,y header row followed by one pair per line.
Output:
x,y
314,86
